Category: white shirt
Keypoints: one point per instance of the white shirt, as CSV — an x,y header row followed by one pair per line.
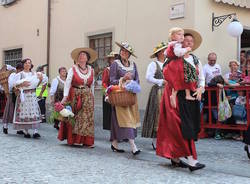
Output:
x,y
151,70
9,67
11,80
178,50
201,78
54,85
211,71
84,77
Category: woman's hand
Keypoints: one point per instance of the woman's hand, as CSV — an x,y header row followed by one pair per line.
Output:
x,y
198,93
64,100
25,84
127,76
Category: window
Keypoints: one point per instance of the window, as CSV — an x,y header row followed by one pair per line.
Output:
x,y
102,44
245,51
12,57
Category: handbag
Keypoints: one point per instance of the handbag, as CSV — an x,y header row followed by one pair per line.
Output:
x,y
224,109
239,112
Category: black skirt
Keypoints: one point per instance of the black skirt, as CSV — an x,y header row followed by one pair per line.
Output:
x,y
190,116
106,115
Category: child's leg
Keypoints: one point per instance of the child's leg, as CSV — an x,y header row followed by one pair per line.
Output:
x,y
173,98
188,96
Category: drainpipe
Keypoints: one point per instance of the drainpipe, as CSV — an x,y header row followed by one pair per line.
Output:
x,y
48,36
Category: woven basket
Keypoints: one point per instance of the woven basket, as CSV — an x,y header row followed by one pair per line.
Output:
x,y
122,98
4,75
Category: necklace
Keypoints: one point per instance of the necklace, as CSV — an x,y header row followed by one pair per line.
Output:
x,y
82,68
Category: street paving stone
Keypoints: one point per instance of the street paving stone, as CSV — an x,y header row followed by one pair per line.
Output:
x,y
47,160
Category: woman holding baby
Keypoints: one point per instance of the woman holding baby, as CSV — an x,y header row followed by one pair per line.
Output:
x,y
124,120
179,122
27,113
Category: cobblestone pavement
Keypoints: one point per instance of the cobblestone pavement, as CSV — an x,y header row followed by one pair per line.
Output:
x,y
48,160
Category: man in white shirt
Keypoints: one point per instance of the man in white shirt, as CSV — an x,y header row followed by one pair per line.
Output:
x,y
211,69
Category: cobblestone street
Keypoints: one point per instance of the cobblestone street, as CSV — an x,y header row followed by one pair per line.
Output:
x,y
48,160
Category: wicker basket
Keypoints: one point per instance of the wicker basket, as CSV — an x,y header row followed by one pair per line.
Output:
x,y
122,98
4,75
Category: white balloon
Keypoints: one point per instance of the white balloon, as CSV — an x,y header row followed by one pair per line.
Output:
x,y
235,29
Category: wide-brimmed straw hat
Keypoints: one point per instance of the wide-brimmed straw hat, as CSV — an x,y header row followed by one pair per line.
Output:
x,y
234,61
92,54
112,54
197,37
126,46
158,48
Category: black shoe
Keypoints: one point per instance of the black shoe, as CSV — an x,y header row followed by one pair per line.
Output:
x,y
5,130
154,148
117,150
56,126
27,135
246,149
196,167
179,164
36,135
19,132
136,153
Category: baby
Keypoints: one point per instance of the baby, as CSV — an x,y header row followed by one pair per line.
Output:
x,y
176,36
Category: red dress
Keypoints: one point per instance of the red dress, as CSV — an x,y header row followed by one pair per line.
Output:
x,y
82,102
170,141
176,75
105,78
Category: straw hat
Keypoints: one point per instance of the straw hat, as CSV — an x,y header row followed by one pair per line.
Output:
x,y
112,54
197,37
92,53
126,46
158,48
234,61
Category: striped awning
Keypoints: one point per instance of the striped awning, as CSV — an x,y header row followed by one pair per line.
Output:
x,y
240,3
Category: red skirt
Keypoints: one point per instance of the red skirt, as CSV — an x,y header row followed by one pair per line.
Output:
x,y
65,132
170,142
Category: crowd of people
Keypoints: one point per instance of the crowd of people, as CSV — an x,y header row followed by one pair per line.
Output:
x,y
172,116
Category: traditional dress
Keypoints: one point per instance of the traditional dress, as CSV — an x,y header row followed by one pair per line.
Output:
x,y
105,105
2,102
80,91
178,127
155,76
186,78
124,120
10,104
56,90
27,113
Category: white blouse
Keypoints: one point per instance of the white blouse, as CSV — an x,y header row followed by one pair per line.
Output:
x,y
82,76
201,78
151,70
178,50
54,85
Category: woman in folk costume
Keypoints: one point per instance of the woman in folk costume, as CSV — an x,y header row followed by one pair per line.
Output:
x,y
79,92
27,113
56,90
179,127
105,83
124,120
11,99
154,76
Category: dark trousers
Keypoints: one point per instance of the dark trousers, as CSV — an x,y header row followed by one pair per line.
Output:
x,y
42,105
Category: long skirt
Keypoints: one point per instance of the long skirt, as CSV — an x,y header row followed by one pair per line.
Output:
x,y
27,114
106,114
246,139
9,110
170,140
151,118
2,102
82,131
120,133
